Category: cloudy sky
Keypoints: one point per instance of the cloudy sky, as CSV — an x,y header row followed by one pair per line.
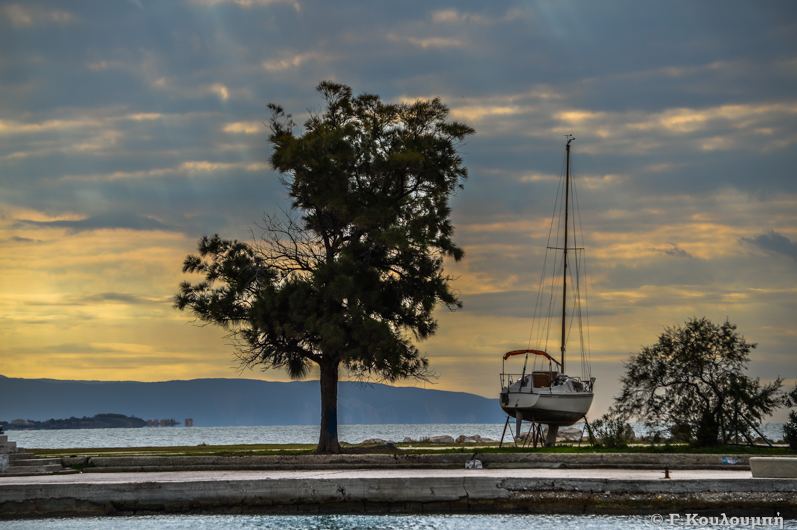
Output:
x,y
129,129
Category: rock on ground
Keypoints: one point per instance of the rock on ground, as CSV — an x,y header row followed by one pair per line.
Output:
x,y
569,434
377,441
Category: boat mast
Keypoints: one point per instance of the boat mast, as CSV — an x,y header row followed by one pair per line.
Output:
x,y
564,274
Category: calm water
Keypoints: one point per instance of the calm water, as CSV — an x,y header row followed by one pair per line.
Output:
x,y
353,522
293,434
274,434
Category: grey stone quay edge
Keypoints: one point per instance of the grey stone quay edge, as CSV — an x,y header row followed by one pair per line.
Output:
x,y
410,494
398,460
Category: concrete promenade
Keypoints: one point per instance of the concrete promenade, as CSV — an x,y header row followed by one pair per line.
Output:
x,y
572,491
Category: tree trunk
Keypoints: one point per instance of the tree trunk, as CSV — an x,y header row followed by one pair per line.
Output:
x,y
328,439
708,430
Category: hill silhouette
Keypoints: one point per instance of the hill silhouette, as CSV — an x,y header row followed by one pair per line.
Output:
x,y
239,402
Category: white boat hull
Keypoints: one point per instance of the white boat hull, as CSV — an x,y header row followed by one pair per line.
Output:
x,y
550,408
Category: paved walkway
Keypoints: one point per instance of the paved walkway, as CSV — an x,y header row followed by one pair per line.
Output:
x,y
206,476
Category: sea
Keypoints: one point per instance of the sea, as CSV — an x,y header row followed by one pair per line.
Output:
x,y
267,434
369,522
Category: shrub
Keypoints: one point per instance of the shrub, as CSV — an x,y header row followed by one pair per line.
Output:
x,y
612,432
681,432
790,431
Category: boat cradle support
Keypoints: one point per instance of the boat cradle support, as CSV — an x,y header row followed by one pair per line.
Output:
x,y
533,437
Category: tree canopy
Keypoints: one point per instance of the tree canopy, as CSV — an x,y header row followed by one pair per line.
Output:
x,y
693,378
790,427
349,275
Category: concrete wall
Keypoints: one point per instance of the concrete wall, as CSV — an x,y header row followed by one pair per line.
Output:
x,y
409,461
348,493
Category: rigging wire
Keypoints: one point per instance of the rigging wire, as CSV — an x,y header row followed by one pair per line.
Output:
x,y
538,305
547,326
546,300
586,354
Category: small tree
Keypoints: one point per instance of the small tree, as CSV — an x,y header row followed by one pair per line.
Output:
x,y
790,428
693,376
351,274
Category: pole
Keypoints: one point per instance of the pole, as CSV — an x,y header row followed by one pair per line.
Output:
x,y
564,273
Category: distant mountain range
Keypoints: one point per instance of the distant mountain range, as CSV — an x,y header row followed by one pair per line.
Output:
x,y
239,402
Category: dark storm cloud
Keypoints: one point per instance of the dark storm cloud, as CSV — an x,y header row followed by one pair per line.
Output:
x,y
124,298
58,348
673,251
775,243
663,272
517,303
104,221
513,304
99,298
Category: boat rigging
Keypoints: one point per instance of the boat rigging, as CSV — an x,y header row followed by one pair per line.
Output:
x,y
550,396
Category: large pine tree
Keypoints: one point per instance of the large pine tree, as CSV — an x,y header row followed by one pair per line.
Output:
x,y
350,274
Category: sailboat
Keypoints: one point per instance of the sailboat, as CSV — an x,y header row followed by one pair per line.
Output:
x,y
547,395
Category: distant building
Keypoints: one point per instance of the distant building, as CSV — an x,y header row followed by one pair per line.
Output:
x,y
163,423
189,422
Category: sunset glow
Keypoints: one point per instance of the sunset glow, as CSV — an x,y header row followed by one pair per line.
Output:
x,y
128,131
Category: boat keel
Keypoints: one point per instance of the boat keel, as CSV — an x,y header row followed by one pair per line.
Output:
x,y
550,439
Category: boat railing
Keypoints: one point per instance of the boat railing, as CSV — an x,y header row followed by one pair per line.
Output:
x,y
509,379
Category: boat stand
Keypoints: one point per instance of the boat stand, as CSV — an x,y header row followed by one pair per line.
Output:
x,y
589,432
503,434
533,436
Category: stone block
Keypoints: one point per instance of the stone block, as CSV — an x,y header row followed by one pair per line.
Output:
x,y
773,466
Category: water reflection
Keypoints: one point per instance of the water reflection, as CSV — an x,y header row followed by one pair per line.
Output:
x,y
344,522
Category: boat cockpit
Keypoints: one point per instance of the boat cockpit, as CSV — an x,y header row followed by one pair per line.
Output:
x,y
540,380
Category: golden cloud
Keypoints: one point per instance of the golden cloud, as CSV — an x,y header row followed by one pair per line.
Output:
x,y
294,60
244,127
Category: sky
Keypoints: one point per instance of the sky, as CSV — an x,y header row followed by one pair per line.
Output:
x,y
130,129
